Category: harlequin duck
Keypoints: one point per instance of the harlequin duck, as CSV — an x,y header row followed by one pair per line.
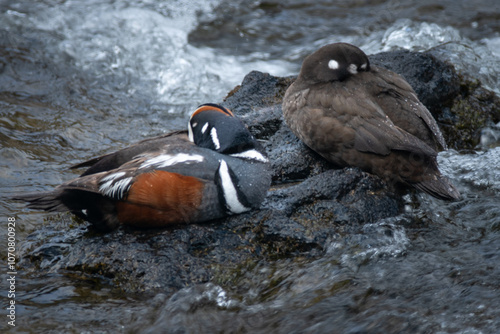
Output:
x,y
354,114
214,169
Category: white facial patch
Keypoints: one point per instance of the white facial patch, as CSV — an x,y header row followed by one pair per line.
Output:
x,y
165,160
353,69
333,64
190,131
229,190
215,139
113,188
363,67
204,128
251,155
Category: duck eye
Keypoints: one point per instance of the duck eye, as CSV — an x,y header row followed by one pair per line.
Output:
x,y
333,64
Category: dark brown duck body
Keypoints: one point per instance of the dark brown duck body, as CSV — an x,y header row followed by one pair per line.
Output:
x,y
354,114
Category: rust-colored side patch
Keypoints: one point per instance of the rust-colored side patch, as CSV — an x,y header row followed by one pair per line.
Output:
x,y
160,198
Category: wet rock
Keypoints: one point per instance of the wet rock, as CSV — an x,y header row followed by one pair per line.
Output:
x,y
310,203
256,91
474,110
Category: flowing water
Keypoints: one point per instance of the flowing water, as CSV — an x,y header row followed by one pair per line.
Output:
x,y
82,78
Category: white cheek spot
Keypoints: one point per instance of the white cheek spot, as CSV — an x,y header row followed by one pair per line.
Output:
x,y
204,128
84,211
333,64
115,189
165,160
215,139
229,191
251,155
363,67
353,69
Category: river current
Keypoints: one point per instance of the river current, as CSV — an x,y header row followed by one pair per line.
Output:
x,y
83,78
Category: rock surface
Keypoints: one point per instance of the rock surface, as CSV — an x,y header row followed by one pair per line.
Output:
x,y
309,204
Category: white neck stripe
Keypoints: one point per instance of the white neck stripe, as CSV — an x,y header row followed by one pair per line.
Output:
x,y
229,190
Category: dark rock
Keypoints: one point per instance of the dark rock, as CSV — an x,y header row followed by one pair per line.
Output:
x,y
310,202
474,109
291,159
257,90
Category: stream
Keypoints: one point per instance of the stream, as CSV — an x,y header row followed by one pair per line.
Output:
x,y
82,78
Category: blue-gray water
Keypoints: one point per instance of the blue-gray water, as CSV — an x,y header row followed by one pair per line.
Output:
x,y
82,78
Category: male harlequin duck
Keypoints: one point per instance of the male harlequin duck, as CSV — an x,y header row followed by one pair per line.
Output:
x,y
354,114
214,169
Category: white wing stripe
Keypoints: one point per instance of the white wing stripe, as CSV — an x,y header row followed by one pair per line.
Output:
x,y
116,189
166,160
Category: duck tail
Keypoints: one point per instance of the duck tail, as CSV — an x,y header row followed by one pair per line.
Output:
x,y
47,201
439,187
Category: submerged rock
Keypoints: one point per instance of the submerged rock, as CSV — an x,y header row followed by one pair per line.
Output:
x,y
309,204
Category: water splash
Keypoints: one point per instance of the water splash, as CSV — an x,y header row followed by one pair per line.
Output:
x,y
490,136
148,49
386,237
416,36
480,170
480,59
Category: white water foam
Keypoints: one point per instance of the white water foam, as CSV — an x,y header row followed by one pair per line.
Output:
x,y
480,58
151,46
481,169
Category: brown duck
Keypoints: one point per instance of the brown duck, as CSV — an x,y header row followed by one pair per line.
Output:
x,y
354,114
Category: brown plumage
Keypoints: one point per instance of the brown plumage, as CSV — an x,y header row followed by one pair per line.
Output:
x,y
354,114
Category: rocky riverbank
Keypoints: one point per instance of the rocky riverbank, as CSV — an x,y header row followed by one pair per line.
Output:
x,y
310,205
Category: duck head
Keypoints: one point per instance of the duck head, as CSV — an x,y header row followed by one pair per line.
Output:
x,y
214,127
334,62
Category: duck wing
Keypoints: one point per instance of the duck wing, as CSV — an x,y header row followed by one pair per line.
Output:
x,y
116,159
401,104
